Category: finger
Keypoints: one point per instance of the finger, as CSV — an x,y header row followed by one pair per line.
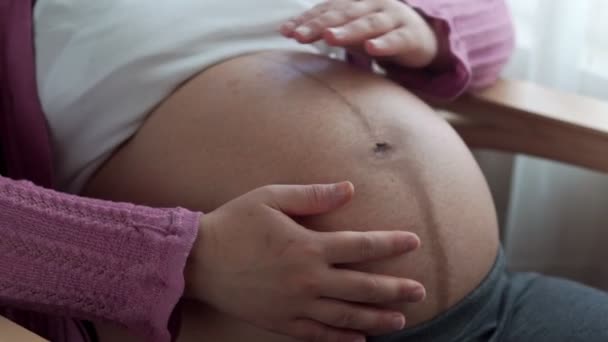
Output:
x,y
357,9
338,14
308,330
357,247
403,43
312,30
300,200
288,27
369,320
369,288
359,30
392,43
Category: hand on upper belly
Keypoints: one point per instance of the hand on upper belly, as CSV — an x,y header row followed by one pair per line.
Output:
x,y
386,29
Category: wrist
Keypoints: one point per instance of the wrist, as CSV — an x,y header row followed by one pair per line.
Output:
x,y
443,56
193,269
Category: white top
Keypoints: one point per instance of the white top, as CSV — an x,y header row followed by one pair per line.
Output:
x,y
103,65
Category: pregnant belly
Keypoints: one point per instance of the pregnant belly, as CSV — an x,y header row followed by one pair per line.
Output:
x,y
280,117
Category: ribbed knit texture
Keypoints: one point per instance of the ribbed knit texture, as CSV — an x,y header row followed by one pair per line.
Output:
x,y
481,38
91,259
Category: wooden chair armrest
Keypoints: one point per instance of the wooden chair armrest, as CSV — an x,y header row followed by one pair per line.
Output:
x,y
522,117
11,332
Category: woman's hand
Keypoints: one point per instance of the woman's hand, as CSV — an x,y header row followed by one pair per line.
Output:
x,y
385,29
254,262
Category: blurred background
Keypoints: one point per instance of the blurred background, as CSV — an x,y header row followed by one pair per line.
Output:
x,y
555,217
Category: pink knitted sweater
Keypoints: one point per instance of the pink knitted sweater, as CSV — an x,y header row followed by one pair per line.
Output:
x,y
72,256
65,256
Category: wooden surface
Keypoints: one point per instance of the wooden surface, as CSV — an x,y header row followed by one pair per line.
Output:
x,y
11,332
522,117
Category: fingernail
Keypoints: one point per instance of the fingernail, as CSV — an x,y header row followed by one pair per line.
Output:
x,y
338,32
378,43
411,243
341,190
398,322
304,31
417,295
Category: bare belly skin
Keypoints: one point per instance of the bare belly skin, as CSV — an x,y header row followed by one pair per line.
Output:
x,y
285,118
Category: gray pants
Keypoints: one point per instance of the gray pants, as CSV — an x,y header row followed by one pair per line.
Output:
x,y
517,307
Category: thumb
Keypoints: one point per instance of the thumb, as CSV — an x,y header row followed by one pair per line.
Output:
x,y
315,199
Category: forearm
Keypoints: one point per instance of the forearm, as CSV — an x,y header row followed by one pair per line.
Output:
x,y
92,259
476,39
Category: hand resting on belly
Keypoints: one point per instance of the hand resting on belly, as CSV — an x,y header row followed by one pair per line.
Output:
x,y
284,118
